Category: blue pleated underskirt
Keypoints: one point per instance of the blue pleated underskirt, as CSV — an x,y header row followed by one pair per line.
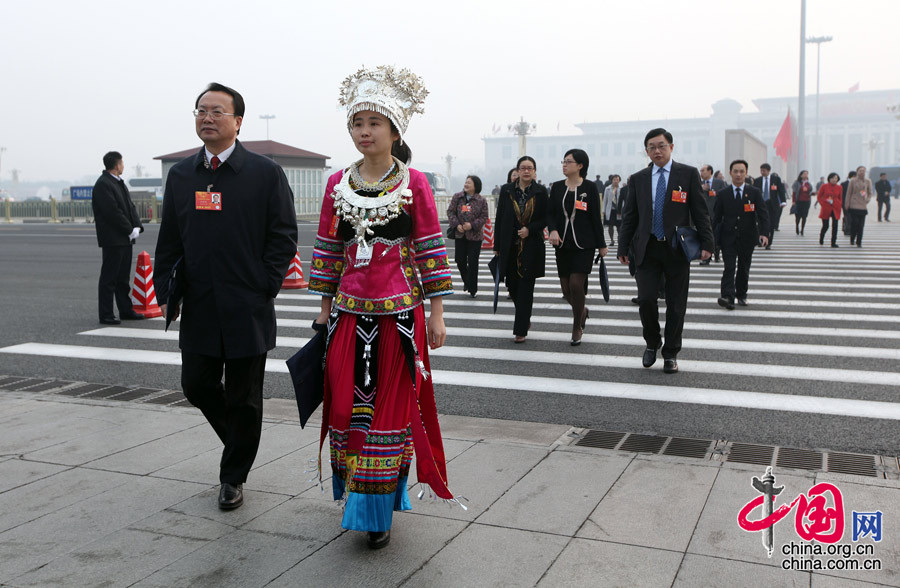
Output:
x,y
371,512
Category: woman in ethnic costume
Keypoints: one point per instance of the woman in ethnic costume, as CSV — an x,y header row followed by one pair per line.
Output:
x,y
378,235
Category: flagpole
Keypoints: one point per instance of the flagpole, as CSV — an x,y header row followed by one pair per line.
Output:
x,y
801,107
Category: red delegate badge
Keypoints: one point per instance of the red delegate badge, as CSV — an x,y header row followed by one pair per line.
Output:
x,y
712,193
679,196
332,230
749,207
581,205
466,208
208,200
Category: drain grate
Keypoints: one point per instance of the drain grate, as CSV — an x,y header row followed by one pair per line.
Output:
x,y
601,439
24,384
167,398
643,443
106,392
83,389
852,463
136,393
5,382
680,447
753,454
801,459
51,385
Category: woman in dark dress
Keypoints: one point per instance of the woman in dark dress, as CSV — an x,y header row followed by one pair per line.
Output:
x,y
575,223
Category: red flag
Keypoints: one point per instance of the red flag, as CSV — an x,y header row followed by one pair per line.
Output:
x,y
853,88
784,142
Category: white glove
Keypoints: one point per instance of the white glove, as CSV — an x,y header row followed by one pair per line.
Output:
x,y
134,233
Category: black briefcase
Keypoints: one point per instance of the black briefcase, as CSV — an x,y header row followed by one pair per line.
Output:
x,y
175,290
308,374
689,240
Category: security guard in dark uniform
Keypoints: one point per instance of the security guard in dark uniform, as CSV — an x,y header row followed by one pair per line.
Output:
x,y
741,220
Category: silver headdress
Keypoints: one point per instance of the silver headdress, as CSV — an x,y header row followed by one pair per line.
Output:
x,y
394,93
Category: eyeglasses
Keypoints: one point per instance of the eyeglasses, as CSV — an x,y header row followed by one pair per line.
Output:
x,y
526,169
568,162
215,114
660,147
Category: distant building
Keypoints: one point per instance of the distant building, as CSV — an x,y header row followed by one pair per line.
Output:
x,y
305,170
846,121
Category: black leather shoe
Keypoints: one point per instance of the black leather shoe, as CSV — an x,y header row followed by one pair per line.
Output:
x,y
768,247
649,357
377,540
835,245
134,316
670,366
230,497
705,261
742,301
111,320
725,303
635,300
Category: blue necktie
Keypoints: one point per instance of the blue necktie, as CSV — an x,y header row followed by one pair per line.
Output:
x,y
765,189
658,203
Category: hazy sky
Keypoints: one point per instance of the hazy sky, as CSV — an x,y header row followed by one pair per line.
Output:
x,y
80,78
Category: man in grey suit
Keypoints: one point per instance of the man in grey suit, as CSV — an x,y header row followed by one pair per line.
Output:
x,y
710,187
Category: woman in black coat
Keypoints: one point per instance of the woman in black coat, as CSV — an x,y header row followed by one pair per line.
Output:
x,y
575,223
519,240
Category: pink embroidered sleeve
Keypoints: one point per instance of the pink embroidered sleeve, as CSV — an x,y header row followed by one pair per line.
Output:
x,y
428,241
328,251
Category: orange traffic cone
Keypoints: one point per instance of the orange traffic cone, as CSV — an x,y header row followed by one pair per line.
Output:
x,y
294,279
143,295
488,232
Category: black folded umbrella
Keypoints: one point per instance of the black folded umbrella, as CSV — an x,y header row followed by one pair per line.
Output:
x,y
495,272
175,290
604,279
308,375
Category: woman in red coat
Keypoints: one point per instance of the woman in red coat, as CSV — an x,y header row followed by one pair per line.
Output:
x,y
830,197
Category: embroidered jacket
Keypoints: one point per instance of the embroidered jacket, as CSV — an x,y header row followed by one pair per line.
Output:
x,y
390,283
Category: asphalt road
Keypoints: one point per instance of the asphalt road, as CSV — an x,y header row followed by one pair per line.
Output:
x,y
48,277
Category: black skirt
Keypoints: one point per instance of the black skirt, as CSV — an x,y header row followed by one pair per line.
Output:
x,y
571,260
613,219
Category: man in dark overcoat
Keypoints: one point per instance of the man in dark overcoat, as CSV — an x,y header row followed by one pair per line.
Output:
x,y
118,225
228,215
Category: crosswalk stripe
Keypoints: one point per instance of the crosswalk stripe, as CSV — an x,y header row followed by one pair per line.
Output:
x,y
693,299
603,322
731,398
593,360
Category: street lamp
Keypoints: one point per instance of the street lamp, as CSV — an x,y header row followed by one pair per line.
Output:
x,y
872,144
818,41
267,118
522,129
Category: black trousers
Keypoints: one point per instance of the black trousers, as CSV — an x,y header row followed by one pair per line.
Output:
x,y
522,292
774,213
886,203
467,254
661,261
857,224
234,409
114,274
825,229
736,276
